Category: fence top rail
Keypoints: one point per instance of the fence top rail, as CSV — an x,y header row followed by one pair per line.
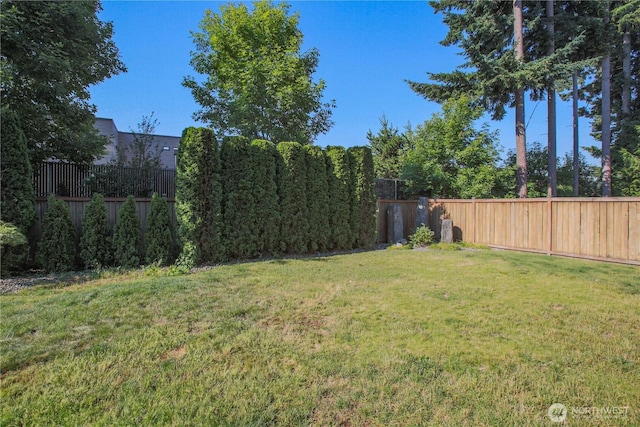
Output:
x,y
390,201
540,200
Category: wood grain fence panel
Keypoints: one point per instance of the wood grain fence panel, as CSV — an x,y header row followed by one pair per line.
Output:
x,y
634,230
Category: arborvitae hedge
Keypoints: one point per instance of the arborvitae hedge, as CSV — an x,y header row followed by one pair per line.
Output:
x,y
292,189
57,247
240,232
127,237
317,199
339,180
266,195
95,243
364,201
198,196
17,197
159,237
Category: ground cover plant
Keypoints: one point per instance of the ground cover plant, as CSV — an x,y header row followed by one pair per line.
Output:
x,y
442,338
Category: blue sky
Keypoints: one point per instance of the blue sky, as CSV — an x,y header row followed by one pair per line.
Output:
x,y
367,49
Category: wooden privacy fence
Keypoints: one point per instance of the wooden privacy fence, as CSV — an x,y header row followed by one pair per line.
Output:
x,y
77,206
592,228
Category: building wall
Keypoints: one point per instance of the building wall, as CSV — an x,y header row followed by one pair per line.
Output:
x,y
167,144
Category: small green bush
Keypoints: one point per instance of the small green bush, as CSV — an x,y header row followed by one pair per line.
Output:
x,y
127,237
159,238
95,243
57,247
423,236
13,248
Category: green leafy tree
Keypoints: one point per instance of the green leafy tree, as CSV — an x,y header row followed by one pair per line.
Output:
x,y
258,82
127,236
388,147
317,199
450,158
239,204
95,242
57,246
17,204
292,189
51,53
159,236
143,155
198,197
265,186
364,202
340,191
537,160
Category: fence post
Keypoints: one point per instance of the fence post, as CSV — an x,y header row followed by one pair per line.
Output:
x,y
550,225
473,204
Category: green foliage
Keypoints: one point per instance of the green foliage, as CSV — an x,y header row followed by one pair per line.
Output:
x,y
450,158
127,237
265,186
198,197
95,242
142,155
258,82
317,199
51,53
364,197
14,248
422,236
387,147
240,214
17,203
57,247
292,190
159,237
339,183
537,173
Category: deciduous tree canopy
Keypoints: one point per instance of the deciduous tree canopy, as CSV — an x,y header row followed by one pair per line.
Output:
x,y
51,53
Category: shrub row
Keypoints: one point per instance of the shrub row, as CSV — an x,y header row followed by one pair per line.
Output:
x,y
58,251
250,199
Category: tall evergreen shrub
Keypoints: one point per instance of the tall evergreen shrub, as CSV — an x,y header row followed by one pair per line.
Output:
x,y
127,237
292,189
339,181
266,159
159,237
364,197
317,199
198,197
57,247
95,242
17,197
240,232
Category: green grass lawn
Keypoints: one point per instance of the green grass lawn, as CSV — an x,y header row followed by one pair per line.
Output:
x,y
442,338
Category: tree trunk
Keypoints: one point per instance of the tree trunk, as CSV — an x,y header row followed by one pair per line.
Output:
x,y
576,157
551,108
606,119
626,72
521,145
